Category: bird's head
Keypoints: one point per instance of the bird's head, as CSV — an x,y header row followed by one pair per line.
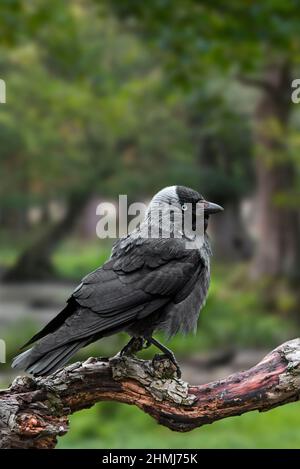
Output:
x,y
185,199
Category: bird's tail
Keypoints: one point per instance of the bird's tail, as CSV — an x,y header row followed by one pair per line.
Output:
x,y
45,363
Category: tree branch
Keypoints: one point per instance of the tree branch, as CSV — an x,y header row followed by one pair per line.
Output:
x,y
34,411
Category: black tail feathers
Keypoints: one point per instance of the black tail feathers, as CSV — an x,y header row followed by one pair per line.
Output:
x,y
48,362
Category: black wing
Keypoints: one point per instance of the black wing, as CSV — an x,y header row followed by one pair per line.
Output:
x,y
140,278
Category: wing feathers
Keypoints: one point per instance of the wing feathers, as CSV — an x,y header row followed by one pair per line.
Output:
x,y
141,277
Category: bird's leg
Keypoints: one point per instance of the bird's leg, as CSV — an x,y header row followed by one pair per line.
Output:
x,y
134,345
166,351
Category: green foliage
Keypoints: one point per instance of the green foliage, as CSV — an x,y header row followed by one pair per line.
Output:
x,y
222,143
195,34
90,102
97,113
72,261
207,41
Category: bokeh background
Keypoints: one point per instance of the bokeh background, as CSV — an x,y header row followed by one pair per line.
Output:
x,y
125,97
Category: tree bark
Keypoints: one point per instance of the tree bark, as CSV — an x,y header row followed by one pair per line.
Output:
x,y
34,411
34,264
278,250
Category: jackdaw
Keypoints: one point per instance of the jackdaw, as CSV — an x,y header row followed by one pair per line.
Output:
x,y
148,284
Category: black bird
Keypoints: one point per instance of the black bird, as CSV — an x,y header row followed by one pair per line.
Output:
x,y
148,284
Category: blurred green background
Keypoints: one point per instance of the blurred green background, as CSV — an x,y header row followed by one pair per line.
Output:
x,y
106,98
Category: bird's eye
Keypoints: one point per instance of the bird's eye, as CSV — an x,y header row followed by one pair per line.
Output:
x,y
184,207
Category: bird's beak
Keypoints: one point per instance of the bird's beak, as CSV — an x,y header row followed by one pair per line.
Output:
x,y
210,207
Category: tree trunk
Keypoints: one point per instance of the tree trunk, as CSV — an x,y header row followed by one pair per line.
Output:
x,y
34,264
229,237
278,250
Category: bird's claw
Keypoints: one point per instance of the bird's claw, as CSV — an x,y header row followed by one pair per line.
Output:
x,y
178,370
134,345
175,363
168,369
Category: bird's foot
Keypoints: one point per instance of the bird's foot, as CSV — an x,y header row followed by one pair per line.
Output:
x,y
167,352
175,363
135,345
